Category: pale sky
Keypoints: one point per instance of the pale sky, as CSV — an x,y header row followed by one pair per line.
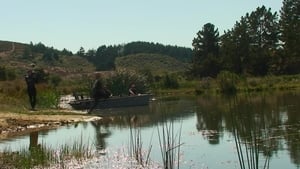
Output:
x,y
72,24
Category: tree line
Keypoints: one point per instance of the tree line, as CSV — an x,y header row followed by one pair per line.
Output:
x,y
104,57
260,43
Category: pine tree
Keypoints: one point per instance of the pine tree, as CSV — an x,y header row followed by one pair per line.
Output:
x,y
290,35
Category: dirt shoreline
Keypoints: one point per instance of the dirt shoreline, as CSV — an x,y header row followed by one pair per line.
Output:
x,y
13,124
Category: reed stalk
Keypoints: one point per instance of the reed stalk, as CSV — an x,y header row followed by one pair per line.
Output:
x,y
170,143
136,147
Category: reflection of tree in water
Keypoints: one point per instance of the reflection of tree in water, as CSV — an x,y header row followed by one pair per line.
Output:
x,y
209,119
293,143
259,125
292,126
263,123
250,134
102,133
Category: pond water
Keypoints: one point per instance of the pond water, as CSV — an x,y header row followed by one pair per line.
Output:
x,y
211,131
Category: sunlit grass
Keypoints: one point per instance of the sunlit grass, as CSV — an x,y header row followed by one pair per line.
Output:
x,y
42,156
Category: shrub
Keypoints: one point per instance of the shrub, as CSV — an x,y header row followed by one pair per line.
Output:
x,y
170,82
48,99
205,84
227,82
55,80
120,82
7,74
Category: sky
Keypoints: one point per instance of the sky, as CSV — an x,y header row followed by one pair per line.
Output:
x,y
72,24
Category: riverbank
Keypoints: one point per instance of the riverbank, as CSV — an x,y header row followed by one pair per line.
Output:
x,y
13,124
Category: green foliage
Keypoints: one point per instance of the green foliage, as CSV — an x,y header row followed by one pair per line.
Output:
x,y
7,74
50,55
81,52
227,82
104,57
2,73
27,53
170,82
154,63
39,47
120,82
252,43
204,85
41,75
66,52
206,52
290,28
41,156
180,53
48,98
54,80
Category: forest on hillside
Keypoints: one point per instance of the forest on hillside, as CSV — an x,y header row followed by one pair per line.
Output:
x,y
104,56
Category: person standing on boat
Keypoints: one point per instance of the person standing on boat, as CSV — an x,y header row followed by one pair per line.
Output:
x,y
99,91
132,90
31,80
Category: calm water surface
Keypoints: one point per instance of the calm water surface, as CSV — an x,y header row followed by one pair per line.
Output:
x,y
215,130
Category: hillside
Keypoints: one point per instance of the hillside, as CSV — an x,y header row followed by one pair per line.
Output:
x,y
19,57
156,63
12,57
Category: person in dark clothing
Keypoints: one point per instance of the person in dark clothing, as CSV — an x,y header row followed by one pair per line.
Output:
x,y
132,90
30,79
99,91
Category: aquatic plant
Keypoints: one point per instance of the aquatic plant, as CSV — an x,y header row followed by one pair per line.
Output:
x,y
170,143
227,82
42,156
136,145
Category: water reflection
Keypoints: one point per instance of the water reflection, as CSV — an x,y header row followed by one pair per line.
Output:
x,y
265,125
160,111
33,140
102,132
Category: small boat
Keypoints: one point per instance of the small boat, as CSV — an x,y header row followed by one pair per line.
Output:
x,y
111,102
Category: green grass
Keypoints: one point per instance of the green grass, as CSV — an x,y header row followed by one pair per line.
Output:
x,y
43,156
157,64
252,84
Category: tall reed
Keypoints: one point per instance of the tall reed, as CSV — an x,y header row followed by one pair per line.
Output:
x,y
249,152
251,141
136,144
170,143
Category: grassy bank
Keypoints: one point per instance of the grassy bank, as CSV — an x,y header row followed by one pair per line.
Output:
x,y
13,94
41,156
229,83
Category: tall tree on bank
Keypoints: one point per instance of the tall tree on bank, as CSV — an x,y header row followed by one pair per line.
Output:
x,y
264,34
250,46
206,61
290,35
235,48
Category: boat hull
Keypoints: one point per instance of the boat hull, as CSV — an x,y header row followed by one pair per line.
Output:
x,y
112,102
